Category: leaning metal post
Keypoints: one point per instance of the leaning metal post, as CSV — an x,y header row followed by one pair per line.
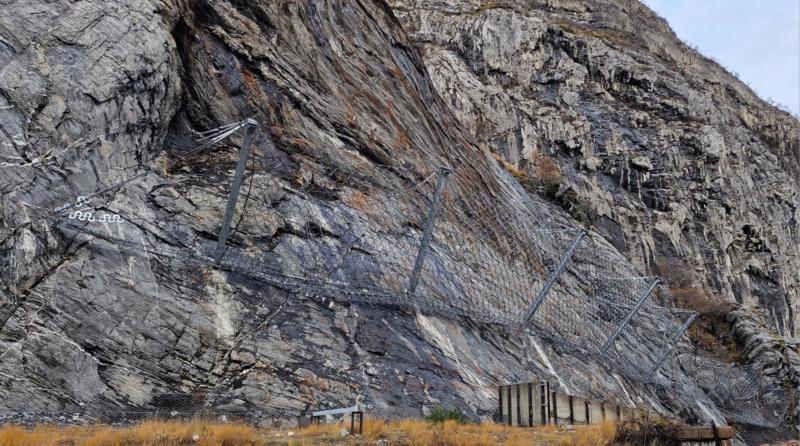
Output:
x,y
628,317
551,280
250,129
672,342
441,182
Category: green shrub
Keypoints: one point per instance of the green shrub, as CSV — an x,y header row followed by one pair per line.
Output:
x,y
440,414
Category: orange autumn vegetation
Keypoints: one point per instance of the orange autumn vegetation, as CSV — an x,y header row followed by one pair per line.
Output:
x,y
148,433
404,432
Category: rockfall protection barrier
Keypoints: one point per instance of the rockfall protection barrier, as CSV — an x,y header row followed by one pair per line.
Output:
x,y
430,242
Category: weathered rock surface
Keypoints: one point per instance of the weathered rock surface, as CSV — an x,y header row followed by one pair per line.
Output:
x,y
92,93
657,147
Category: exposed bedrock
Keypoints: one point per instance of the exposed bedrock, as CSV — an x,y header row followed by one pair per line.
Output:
x,y
92,93
661,149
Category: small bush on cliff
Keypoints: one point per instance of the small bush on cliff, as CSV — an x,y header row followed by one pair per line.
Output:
x,y
547,170
440,414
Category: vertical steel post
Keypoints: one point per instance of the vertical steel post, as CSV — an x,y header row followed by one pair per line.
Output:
x,y
628,317
555,407
551,280
500,402
549,408
543,404
427,234
588,412
519,407
530,404
510,418
673,341
244,153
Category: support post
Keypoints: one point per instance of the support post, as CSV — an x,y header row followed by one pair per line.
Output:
x,y
530,404
441,182
500,402
543,404
551,280
510,418
588,412
628,317
519,407
717,439
673,341
244,153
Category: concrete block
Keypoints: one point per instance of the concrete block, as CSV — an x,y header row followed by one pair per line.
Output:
x,y
562,411
627,413
595,412
612,412
580,411
504,409
540,413
525,397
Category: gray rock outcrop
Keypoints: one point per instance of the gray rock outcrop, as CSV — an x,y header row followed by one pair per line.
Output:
x,y
354,116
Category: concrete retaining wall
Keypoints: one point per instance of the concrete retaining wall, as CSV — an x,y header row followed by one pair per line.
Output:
x,y
534,403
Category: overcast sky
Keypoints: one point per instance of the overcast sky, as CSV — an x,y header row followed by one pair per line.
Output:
x,y
758,39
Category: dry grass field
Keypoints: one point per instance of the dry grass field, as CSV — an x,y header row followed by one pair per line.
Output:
x,y
376,432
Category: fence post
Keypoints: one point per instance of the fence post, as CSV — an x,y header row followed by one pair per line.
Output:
x,y
628,317
551,280
673,341
441,182
244,152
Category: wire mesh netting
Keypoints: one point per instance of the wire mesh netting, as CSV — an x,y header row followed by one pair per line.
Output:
x,y
744,394
162,406
421,243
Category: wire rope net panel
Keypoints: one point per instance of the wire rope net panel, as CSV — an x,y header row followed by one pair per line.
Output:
x,y
340,235
742,393
480,264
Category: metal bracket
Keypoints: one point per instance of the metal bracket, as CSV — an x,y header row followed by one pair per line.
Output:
x,y
441,182
628,317
250,129
551,280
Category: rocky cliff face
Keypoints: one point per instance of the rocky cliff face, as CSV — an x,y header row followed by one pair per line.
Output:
x,y
353,120
672,158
